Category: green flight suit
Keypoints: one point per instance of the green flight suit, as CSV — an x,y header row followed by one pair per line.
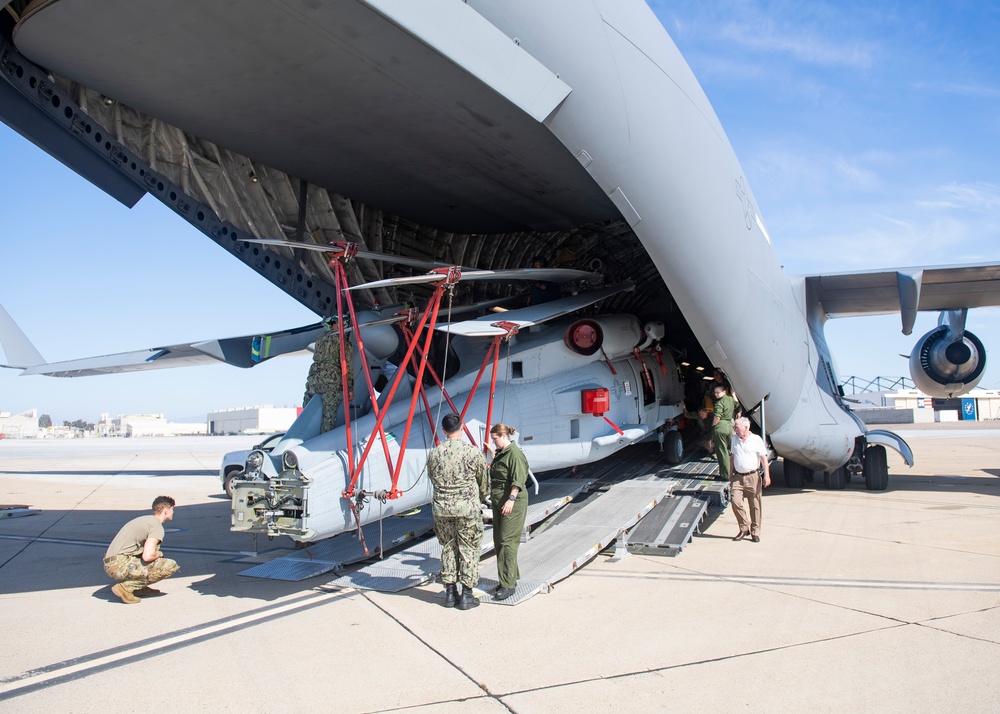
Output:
x,y
723,433
509,470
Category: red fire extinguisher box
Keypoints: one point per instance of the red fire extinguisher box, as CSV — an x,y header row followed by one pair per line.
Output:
x,y
596,401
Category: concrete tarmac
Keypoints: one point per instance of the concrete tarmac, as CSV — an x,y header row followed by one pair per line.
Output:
x,y
852,601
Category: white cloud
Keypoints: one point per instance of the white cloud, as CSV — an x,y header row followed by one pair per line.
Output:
x,y
857,176
802,43
979,197
958,88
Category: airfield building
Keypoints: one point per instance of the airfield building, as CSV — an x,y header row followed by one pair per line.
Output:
x,y
252,420
19,426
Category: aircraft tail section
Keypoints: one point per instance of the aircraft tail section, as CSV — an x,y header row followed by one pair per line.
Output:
x,y
18,349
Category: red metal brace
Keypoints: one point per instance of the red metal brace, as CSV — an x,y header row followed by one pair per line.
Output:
x,y
450,275
511,329
444,393
659,359
646,376
613,426
349,250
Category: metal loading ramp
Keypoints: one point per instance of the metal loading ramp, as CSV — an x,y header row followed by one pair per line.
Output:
x,y
565,548
421,562
669,527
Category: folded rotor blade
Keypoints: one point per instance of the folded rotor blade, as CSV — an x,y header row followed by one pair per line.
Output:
x,y
487,326
555,275
369,255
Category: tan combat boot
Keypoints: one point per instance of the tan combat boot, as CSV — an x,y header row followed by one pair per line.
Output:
x,y
127,597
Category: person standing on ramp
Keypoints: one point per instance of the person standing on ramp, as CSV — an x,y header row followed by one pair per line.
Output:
x,y
458,472
508,477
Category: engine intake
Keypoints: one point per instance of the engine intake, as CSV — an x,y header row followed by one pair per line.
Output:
x,y
943,366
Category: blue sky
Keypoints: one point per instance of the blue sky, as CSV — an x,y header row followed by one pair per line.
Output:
x,y
867,131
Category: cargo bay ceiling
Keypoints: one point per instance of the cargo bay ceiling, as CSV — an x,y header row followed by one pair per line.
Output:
x,y
320,122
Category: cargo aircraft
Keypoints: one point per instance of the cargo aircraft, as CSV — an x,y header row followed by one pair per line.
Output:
x,y
478,134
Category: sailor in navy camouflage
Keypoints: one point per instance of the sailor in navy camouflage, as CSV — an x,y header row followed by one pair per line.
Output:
x,y
459,474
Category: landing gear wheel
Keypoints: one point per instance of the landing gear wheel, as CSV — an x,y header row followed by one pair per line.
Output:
x,y
673,447
876,469
795,474
836,479
228,485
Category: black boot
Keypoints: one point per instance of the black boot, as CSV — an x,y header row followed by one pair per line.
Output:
x,y
468,600
450,594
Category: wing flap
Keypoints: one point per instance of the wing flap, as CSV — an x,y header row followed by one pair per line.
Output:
x,y
905,289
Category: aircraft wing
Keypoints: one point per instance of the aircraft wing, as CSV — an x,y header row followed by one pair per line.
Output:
x,y
907,290
532,315
244,351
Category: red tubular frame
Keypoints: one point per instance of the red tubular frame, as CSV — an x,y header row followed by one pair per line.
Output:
x,y
448,277
427,321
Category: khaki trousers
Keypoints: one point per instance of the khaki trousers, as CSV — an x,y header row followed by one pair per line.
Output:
x,y
746,486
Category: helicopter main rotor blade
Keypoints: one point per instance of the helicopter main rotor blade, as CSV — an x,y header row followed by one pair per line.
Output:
x,y
335,248
555,275
486,326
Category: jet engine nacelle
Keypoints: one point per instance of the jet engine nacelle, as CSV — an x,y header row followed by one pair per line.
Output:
x,y
945,364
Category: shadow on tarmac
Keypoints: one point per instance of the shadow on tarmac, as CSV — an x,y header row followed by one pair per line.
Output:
x,y
56,550
105,472
906,481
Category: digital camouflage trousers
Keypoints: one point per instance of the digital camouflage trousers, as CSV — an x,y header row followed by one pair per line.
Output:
x,y
460,540
134,574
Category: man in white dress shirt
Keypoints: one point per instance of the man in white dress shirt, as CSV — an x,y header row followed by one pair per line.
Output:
x,y
748,456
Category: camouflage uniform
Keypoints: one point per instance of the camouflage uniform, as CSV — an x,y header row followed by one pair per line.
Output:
x,y
458,472
123,559
136,574
324,377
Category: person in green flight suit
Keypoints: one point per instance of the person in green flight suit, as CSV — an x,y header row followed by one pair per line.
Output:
x,y
722,423
508,477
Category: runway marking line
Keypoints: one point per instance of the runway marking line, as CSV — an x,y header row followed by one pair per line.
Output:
x,y
84,666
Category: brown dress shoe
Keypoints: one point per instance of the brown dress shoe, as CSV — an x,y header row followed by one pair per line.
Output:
x,y
741,535
126,597
755,539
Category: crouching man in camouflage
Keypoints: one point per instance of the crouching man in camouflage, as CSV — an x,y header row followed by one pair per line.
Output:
x,y
460,477
134,556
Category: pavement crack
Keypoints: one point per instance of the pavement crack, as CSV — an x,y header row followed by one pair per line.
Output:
x,y
444,657
694,663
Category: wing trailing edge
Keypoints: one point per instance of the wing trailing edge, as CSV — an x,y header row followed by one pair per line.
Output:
x,y
907,291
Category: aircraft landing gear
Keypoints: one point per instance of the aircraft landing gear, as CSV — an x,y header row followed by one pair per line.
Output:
x,y
836,479
876,469
673,447
795,474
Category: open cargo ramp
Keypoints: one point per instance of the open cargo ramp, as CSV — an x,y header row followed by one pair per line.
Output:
x,y
565,548
421,562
